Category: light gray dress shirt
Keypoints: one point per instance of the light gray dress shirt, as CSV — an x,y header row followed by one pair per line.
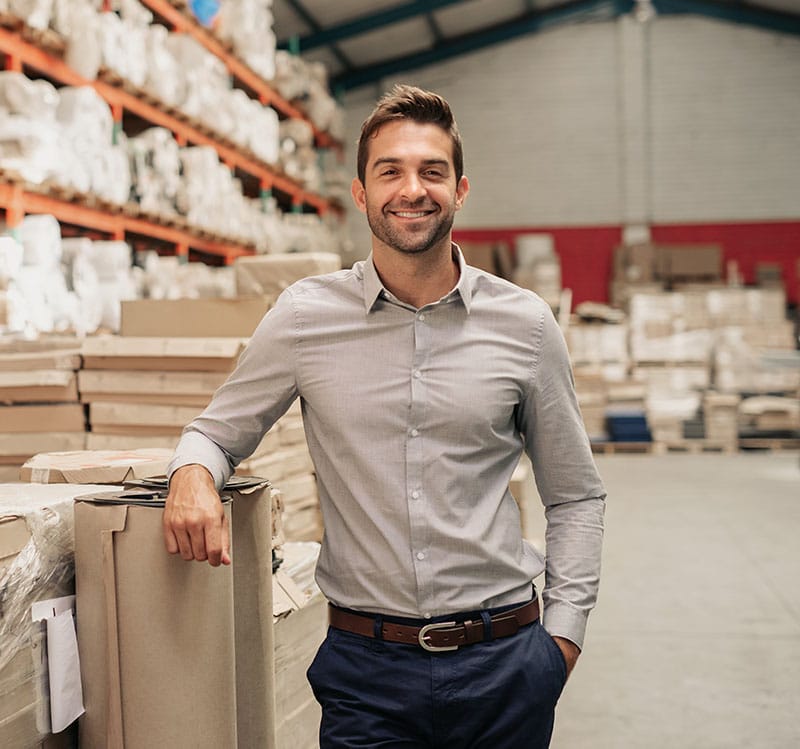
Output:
x,y
415,420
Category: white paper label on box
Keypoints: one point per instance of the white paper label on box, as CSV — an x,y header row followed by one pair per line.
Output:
x,y
66,694
40,475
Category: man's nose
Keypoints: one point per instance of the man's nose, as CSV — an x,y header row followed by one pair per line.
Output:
x,y
412,188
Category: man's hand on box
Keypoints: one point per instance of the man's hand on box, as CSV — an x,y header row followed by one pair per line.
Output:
x,y
194,523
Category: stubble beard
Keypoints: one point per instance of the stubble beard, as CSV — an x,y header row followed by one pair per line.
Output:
x,y
408,241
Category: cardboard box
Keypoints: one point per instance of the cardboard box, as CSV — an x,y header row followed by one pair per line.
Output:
x,y
95,466
65,359
174,388
162,354
193,318
95,441
269,275
690,261
25,445
142,418
191,645
57,417
38,386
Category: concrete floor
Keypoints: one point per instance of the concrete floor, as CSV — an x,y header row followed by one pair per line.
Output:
x,y
695,642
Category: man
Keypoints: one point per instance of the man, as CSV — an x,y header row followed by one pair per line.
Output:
x,y
421,381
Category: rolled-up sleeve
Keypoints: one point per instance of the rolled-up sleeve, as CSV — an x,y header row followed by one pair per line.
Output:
x,y
568,483
258,392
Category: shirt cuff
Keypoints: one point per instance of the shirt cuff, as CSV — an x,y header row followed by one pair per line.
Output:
x,y
196,448
564,620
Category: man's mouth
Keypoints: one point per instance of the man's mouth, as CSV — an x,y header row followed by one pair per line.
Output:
x,y
411,214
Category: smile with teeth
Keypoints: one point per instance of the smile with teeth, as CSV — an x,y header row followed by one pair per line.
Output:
x,y
411,214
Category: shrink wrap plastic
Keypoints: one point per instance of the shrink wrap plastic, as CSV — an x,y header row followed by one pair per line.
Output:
x,y
44,567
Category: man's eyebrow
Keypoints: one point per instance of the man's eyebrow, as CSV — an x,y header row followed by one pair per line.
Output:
x,y
426,162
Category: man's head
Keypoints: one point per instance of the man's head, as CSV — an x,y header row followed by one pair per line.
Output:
x,y
410,103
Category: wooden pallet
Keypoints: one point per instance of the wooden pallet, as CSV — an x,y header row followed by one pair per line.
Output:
x,y
620,448
693,446
771,444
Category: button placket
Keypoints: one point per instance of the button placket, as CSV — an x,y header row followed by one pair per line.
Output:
x,y
414,463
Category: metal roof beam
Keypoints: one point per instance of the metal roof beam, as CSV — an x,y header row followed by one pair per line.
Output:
x,y
370,22
739,12
315,26
525,24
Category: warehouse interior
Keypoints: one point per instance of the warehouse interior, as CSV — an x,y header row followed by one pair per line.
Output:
x,y
168,168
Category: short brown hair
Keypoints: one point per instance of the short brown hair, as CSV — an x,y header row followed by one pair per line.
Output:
x,y
410,103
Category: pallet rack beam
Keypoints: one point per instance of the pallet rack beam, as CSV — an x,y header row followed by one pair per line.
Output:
x,y
15,198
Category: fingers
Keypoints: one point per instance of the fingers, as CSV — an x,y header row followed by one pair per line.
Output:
x,y
194,522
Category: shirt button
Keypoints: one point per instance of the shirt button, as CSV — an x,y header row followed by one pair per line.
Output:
x,y
427,615
415,432
417,374
415,494
422,318
420,556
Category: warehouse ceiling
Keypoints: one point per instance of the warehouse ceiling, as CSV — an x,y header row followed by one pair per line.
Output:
x,y
361,43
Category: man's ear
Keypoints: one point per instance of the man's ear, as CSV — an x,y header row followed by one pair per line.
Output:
x,y
462,190
359,195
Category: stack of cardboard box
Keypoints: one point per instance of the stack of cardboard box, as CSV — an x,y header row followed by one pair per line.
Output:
x,y
142,391
283,457
300,622
647,267
39,408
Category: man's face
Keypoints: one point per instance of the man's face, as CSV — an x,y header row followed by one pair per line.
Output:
x,y
410,193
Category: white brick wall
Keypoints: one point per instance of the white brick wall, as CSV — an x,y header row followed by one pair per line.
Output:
x,y
613,123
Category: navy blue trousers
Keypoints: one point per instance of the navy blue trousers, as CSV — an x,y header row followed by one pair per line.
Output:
x,y
491,695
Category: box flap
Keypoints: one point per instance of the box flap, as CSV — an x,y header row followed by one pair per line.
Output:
x,y
95,466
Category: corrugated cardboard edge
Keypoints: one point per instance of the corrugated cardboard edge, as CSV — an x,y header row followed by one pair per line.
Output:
x,y
114,704
252,578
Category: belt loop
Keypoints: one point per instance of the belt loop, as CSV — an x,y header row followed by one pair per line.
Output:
x,y
377,627
487,626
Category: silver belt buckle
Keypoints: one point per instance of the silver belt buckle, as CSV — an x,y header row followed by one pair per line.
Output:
x,y
423,634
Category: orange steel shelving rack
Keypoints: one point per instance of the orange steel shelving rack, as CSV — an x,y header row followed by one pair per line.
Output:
x,y
17,198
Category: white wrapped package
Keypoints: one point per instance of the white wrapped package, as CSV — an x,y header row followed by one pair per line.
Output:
x,y
112,293
35,99
264,135
155,170
41,241
11,253
247,25
85,114
124,46
29,146
35,13
165,80
111,260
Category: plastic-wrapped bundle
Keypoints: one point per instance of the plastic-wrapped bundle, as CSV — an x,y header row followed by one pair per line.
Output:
x,y
40,236
124,45
83,281
207,83
35,13
255,126
20,95
155,170
247,25
11,252
88,132
297,154
166,80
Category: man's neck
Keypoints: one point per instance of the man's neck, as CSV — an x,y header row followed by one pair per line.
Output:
x,y
417,279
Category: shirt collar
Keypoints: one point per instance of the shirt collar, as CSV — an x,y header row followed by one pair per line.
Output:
x,y
373,287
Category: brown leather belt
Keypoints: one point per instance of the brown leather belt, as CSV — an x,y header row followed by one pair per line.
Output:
x,y
437,636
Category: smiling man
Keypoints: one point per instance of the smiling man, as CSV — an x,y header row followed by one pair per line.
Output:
x,y
421,381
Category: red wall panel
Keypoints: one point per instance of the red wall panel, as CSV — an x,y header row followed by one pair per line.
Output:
x,y
586,252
